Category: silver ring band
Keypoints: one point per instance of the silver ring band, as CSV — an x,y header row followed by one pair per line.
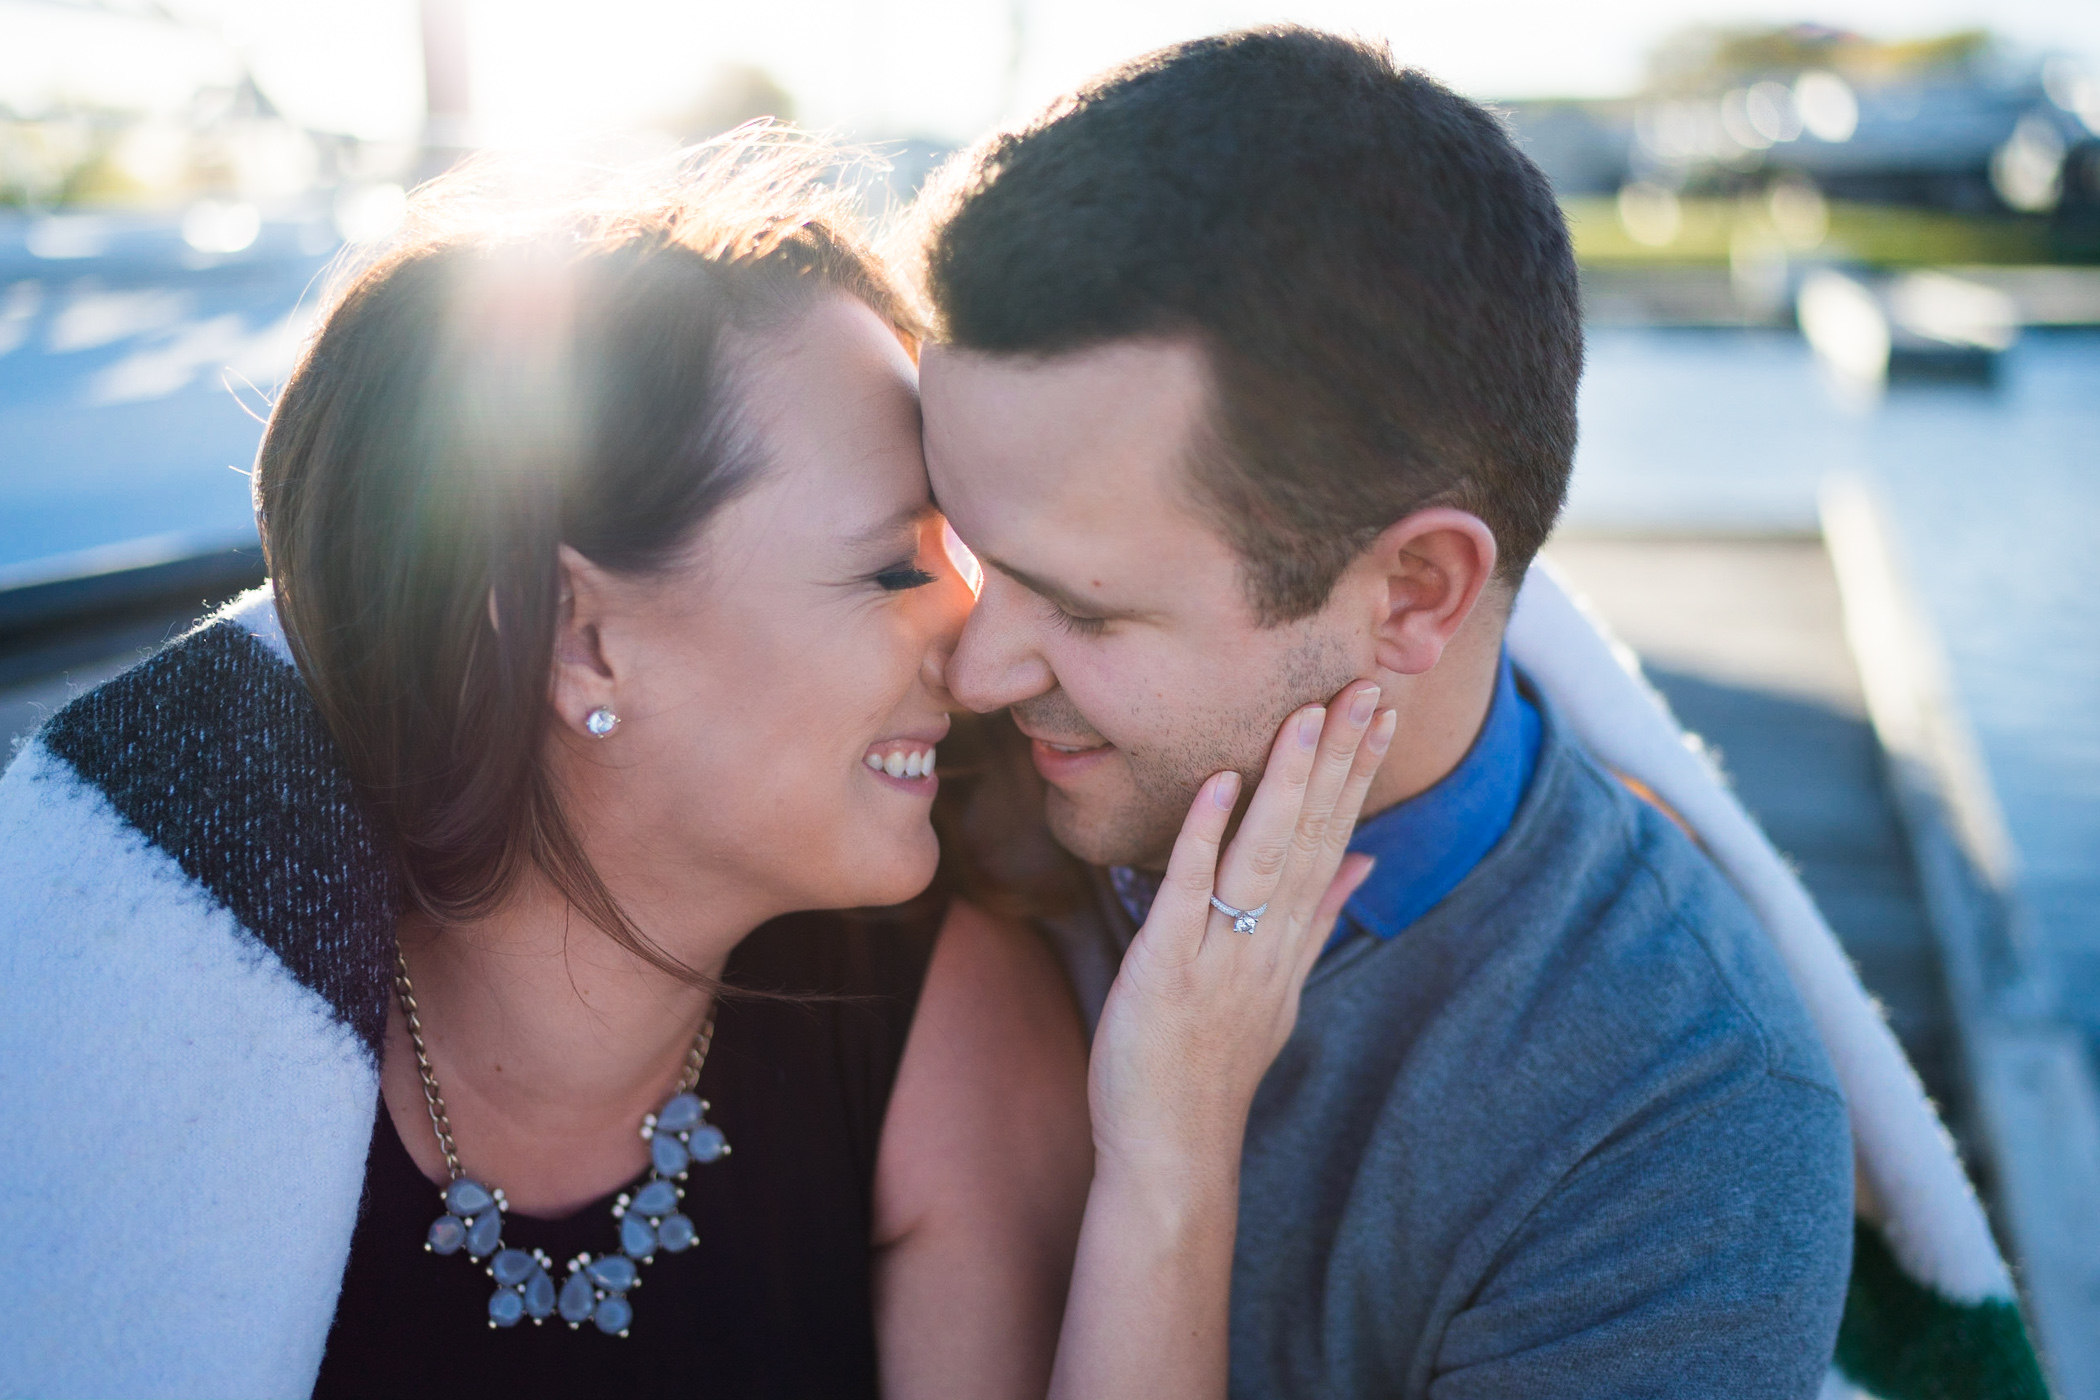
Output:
x,y
1243,920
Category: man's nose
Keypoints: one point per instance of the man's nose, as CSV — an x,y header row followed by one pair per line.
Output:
x,y
995,662
954,599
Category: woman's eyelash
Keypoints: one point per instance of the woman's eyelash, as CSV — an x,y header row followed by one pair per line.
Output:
x,y
909,576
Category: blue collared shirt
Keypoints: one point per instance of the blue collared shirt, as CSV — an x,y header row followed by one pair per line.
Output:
x,y
1427,844
1430,842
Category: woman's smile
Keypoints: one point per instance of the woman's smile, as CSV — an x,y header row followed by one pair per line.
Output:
x,y
907,762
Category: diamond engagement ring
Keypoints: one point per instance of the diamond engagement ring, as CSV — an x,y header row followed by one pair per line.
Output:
x,y
1243,920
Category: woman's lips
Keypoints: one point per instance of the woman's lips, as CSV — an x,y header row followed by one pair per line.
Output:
x,y
904,763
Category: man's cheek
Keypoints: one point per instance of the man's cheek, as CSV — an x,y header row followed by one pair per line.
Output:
x,y
1129,704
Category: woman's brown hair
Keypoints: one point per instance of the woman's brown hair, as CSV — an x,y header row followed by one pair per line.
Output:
x,y
512,375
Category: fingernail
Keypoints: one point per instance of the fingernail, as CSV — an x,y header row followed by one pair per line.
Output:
x,y
1360,707
1382,732
1226,790
1310,725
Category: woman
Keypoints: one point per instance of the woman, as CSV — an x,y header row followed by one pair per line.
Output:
x,y
601,542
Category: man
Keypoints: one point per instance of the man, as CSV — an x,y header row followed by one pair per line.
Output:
x,y
1256,374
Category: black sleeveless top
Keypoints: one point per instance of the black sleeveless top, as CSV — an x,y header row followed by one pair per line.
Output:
x,y
774,1299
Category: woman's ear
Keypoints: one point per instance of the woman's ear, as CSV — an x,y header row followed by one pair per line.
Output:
x,y
1433,566
583,679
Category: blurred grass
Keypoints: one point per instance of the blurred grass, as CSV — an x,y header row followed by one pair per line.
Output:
x,y
1883,235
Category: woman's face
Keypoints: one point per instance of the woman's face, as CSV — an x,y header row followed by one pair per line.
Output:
x,y
780,695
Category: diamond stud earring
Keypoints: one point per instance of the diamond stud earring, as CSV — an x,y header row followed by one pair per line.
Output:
x,y
601,722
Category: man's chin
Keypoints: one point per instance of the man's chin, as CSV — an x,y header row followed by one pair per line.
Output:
x,y
1101,837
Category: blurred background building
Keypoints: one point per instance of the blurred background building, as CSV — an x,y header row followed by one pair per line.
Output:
x,y
1839,480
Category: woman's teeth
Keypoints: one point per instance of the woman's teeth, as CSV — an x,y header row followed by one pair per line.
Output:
x,y
902,762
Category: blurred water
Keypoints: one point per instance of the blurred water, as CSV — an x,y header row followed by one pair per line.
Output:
x,y
1996,497
131,385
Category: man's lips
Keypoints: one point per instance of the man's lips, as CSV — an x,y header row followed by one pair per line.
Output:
x,y
1060,746
1060,761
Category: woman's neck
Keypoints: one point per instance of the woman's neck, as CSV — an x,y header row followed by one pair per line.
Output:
x,y
549,1040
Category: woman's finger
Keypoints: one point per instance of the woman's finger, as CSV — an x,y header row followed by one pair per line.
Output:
x,y
1314,854
1192,868
1349,803
1356,868
1350,871
1253,865
1348,718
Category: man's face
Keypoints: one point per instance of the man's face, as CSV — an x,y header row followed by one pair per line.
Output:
x,y
1114,620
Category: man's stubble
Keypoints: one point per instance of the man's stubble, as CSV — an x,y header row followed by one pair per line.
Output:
x,y
1137,818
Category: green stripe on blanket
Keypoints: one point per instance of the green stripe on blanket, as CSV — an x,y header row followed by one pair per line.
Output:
x,y
1900,1340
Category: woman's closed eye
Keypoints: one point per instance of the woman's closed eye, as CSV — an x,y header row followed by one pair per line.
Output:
x,y
904,576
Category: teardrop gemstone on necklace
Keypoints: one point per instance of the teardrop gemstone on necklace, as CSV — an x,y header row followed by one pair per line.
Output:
x,y
655,1200
506,1307
675,1234
637,1237
668,1154
614,1315
614,1273
512,1267
466,1197
577,1298
707,1144
539,1294
679,1114
447,1234
484,1233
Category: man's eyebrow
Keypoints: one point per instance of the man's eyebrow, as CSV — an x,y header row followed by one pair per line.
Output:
x,y
1043,588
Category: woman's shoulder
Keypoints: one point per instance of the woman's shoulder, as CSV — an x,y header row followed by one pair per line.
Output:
x,y
989,1125
997,1021
991,958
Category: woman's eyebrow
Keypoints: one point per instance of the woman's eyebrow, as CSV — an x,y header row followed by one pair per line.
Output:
x,y
907,518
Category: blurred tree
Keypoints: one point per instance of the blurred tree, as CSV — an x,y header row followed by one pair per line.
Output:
x,y
1705,59
732,95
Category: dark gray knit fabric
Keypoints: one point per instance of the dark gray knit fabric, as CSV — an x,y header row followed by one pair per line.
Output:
x,y
216,753
1570,1134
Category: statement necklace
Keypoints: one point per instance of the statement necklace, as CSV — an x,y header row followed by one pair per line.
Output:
x,y
596,1288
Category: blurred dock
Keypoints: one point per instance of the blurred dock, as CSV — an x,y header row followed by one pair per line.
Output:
x,y
44,667
1792,656
1745,638
1720,294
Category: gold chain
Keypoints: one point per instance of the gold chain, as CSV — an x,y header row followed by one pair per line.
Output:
x,y
695,1061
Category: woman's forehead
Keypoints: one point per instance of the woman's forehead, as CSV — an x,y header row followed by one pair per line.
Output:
x,y
834,406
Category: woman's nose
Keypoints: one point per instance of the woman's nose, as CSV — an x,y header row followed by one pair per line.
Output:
x,y
958,594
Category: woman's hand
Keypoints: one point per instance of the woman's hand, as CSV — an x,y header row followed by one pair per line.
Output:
x,y
1194,1019
1199,1011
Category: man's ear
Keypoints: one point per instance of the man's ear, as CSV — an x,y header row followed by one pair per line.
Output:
x,y
1427,572
583,678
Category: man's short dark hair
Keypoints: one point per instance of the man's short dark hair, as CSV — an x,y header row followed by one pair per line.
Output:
x,y
1382,283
